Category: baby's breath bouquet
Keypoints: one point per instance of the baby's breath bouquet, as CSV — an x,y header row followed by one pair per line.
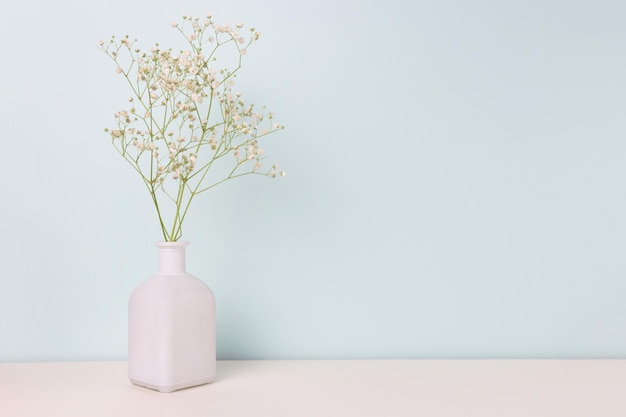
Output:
x,y
183,118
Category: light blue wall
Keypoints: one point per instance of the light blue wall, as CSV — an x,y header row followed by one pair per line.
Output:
x,y
455,188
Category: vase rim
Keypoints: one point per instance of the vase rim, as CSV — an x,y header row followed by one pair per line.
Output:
x,y
178,244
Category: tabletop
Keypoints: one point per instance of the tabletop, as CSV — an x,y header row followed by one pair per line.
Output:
x,y
502,388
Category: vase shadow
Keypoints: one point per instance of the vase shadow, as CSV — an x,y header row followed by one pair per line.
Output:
x,y
227,369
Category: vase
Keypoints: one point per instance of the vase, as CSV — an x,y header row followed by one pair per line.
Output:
x,y
171,326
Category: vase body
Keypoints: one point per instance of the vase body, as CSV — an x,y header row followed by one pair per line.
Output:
x,y
171,326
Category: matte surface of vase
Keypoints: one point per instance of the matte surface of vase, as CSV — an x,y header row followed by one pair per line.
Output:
x,y
171,326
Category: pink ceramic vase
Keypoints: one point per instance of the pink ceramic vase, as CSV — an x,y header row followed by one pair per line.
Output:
x,y
171,326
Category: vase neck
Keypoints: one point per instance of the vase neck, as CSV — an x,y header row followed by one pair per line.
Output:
x,y
172,257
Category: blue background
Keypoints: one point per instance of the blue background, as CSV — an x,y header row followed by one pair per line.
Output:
x,y
454,189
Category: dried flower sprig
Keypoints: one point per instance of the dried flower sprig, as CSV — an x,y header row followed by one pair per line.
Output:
x,y
183,117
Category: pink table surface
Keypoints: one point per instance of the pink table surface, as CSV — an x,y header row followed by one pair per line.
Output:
x,y
382,388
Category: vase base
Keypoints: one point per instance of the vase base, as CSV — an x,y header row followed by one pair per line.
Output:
x,y
173,387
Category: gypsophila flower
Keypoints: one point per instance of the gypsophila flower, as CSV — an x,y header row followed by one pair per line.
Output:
x,y
189,111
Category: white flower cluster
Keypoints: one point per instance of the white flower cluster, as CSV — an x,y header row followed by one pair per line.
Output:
x,y
184,117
